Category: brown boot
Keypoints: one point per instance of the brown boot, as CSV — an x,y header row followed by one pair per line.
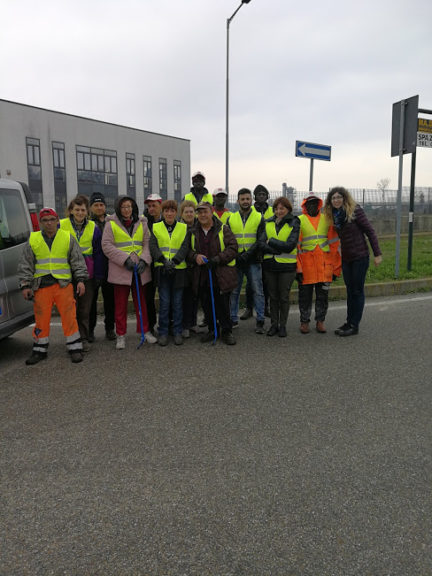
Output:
x,y
304,327
320,327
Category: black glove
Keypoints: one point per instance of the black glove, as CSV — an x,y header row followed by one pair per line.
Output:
x,y
141,266
129,264
299,277
242,259
334,277
169,267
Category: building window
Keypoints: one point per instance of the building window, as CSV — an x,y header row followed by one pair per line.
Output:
x,y
147,175
177,181
34,170
163,177
97,173
59,167
130,175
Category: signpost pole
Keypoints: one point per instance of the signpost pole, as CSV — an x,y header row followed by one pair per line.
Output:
x,y
411,210
311,175
399,194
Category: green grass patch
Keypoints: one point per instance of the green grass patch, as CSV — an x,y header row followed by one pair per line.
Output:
x,y
421,261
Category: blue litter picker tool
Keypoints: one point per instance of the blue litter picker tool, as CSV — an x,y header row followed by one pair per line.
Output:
x,y
137,284
213,303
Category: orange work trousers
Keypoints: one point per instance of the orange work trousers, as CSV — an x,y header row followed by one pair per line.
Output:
x,y
63,298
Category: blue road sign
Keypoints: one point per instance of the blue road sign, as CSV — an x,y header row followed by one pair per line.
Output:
x,y
312,151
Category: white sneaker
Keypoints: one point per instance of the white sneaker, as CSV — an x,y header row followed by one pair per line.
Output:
x,y
121,343
150,338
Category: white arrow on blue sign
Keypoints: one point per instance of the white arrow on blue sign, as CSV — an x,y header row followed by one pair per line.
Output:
x,y
314,151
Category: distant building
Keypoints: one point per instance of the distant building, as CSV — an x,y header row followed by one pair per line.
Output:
x,y
62,155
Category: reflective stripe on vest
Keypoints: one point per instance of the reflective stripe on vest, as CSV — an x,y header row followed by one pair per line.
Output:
x,y
245,235
221,242
169,245
126,243
52,261
284,232
86,240
206,198
310,238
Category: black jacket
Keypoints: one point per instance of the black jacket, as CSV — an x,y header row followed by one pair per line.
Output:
x,y
275,246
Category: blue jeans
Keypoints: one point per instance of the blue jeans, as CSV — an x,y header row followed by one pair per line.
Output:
x,y
354,274
253,274
170,296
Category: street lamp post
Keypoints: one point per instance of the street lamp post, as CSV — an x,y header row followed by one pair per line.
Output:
x,y
227,98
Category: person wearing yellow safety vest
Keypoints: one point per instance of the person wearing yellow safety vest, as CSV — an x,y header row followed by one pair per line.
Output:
x,y
247,226
50,262
214,248
198,193
88,236
169,246
125,242
220,197
261,195
318,262
279,245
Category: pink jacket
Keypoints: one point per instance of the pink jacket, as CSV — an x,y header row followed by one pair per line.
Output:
x,y
117,272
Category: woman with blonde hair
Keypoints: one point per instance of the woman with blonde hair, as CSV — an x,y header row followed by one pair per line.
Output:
x,y
353,227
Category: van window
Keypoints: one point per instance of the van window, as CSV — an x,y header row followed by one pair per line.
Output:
x,y
14,226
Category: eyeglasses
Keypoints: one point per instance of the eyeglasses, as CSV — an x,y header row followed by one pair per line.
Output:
x,y
337,197
48,220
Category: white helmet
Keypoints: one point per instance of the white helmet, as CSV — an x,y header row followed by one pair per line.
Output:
x,y
198,175
219,191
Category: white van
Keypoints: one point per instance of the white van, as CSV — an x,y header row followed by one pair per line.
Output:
x,y
18,219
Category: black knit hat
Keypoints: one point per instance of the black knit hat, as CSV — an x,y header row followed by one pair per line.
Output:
x,y
97,197
261,188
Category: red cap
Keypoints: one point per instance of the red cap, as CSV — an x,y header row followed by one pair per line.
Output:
x,y
47,212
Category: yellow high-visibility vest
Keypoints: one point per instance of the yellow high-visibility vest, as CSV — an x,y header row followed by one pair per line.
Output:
x,y
206,198
86,240
170,245
224,216
310,238
52,261
222,245
267,214
284,232
246,234
125,242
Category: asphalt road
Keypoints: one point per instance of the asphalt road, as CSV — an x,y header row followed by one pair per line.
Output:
x,y
310,455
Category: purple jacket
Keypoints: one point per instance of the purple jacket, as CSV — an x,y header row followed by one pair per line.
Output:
x,y
353,237
117,272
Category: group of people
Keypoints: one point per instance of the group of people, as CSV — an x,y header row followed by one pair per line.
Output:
x,y
197,254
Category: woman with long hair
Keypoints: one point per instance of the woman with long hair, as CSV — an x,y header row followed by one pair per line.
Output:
x,y
353,227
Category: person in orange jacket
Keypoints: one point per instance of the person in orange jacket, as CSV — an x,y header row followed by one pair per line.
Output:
x,y
318,262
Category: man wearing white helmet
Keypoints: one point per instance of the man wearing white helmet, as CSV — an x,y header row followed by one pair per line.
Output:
x,y
219,198
198,193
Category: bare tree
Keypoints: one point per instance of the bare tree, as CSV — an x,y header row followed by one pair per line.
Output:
x,y
383,185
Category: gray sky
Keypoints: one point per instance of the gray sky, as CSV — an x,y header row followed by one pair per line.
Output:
x,y
323,72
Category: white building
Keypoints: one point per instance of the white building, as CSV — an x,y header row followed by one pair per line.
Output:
x,y
61,155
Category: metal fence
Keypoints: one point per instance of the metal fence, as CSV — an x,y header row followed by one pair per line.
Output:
x,y
372,200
